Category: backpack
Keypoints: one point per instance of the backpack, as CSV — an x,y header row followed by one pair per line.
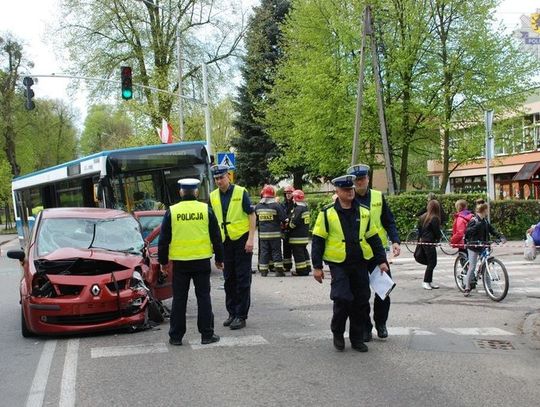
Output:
x,y
459,229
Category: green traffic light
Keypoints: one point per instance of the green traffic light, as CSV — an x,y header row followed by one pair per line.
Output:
x,y
127,94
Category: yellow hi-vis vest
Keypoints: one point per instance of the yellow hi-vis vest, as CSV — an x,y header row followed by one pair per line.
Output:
x,y
190,235
329,228
375,208
237,220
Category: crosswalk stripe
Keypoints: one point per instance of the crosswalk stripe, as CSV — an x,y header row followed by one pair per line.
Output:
x,y
229,341
111,351
477,331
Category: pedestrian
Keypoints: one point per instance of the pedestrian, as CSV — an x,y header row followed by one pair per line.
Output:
x,y
189,234
476,238
237,221
343,239
270,217
534,231
429,233
288,205
299,234
383,221
461,219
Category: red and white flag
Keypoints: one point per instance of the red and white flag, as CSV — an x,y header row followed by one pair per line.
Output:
x,y
166,132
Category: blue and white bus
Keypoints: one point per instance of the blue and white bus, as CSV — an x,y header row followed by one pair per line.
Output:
x,y
137,178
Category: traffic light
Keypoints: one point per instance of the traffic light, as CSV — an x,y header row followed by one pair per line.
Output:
x,y
29,93
127,86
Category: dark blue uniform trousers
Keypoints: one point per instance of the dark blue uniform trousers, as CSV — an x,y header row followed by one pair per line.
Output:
x,y
237,274
350,292
180,285
381,307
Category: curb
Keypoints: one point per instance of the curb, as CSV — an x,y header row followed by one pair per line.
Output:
x,y
531,326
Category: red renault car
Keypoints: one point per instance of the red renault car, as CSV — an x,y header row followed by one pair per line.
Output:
x,y
86,270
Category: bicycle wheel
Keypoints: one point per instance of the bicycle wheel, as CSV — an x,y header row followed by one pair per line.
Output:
x,y
412,238
495,278
460,270
445,245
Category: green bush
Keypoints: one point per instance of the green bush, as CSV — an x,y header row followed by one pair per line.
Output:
x,y
511,218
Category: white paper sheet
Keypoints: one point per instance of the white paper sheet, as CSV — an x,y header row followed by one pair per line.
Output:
x,y
381,283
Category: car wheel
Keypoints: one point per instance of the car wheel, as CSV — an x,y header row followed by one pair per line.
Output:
x,y
24,328
154,311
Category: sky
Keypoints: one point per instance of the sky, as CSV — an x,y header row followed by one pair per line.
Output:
x,y
28,21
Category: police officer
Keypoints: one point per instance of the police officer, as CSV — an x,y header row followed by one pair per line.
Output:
x,y
189,234
270,217
299,233
288,205
383,221
342,237
237,221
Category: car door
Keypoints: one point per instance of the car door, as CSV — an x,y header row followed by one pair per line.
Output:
x,y
161,289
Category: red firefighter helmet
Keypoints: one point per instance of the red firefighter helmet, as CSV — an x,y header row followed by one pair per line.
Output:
x,y
268,191
298,195
288,188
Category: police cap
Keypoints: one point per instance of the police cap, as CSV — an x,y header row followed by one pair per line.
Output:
x,y
345,181
188,183
219,170
358,170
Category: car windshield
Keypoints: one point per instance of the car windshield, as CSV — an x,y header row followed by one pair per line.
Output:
x,y
148,224
116,234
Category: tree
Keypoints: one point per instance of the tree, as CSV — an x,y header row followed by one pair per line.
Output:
x,y
10,54
102,35
255,148
106,128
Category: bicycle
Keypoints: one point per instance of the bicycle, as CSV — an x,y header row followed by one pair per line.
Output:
x,y
490,270
445,246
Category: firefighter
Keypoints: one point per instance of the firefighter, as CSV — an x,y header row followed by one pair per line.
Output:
x,y
270,217
288,205
342,237
299,234
383,220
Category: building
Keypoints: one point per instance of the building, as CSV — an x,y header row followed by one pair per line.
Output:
x,y
515,167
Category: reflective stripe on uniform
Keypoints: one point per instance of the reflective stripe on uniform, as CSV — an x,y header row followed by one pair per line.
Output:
x,y
375,208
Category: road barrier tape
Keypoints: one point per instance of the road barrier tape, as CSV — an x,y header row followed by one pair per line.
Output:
x,y
465,246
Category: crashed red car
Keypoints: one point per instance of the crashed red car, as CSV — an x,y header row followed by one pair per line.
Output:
x,y
85,270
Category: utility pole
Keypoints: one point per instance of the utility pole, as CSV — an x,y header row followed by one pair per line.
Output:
x,y
369,31
207,118
180,96
488,115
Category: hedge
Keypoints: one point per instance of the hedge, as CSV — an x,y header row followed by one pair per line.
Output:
x,y
511,217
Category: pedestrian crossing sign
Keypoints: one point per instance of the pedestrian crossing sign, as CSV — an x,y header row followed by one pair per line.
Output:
x,y
226,159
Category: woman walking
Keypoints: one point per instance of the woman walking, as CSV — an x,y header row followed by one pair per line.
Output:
x,y
429,231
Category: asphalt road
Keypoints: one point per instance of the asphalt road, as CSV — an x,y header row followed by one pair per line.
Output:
x,y
443,349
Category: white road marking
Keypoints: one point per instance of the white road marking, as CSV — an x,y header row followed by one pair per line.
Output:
x,y
37,390
477,331
401,331
69,375
228,341
111,351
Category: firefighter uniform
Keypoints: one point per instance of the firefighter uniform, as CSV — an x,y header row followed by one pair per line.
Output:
x,y
299,234
383,221
270,216
344,240
233,208
189,235
288,206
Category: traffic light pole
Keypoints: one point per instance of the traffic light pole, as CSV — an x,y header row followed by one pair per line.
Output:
x,y
115,81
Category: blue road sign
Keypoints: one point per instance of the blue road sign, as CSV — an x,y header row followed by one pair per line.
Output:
x,y
226,159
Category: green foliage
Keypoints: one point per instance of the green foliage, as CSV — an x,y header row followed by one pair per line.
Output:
x,y
106,128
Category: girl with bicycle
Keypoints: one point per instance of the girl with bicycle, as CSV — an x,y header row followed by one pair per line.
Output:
x,y
476,237
429,231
